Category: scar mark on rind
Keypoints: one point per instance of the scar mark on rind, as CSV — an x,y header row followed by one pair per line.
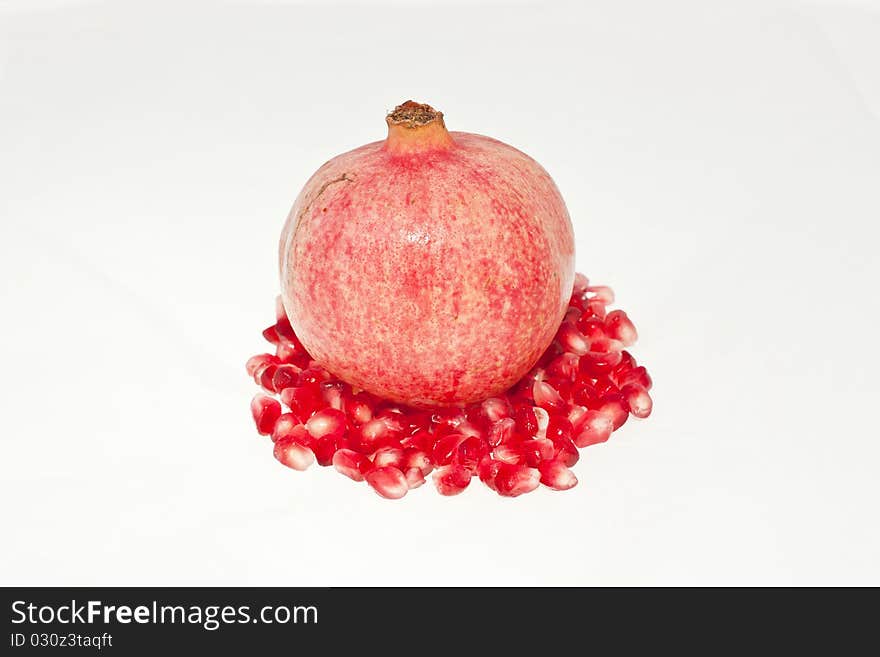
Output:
x,y
343,178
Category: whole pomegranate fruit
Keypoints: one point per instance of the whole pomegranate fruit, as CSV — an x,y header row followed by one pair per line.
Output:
x,y
432,268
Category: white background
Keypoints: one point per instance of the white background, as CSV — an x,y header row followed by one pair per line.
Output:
x,y
721,163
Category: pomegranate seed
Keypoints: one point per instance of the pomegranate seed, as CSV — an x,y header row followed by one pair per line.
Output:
x,y
263,376
501,431
594,427
292,454
627,363
606,345
637,375
313,375
358,409
535,451
420,440
417,458
324,448
303,401
414,478
615,408
469,430
585,395
581,284
285,376
596,308
451,479
290,354
376,432
388,456
556,476
564,366
488,471
526,422
514,480
350,463
542,417
389,482
470,452
271,335
256,362
619,327
451,417
604,387
577,415
565,451
327,422
591,327
638,400
558,427
285,331
597,363
509,454
496,409
572,340
333,394
546,396
265,412
445,448
571,316
601,293
284,426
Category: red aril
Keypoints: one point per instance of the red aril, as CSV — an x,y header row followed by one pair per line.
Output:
x,y
615,407
257,362
446,447
327,422
451,479
638,400
265,412
496,408
556,476
350,463
285,425
389,456
547,397
594,427
416,458
324,448
515,480
303,401
501,431
571,340
637,375
292,454
565,451
389,482
414,478
619,327
602,294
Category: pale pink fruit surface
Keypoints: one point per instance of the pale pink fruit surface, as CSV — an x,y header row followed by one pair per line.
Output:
x,y
432,268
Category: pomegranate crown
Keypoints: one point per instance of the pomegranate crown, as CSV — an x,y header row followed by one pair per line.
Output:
x,y
416,127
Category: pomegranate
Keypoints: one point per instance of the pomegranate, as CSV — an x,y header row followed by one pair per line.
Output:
x,y
431,269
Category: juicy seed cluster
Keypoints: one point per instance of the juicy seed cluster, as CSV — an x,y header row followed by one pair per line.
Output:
x,y
583,388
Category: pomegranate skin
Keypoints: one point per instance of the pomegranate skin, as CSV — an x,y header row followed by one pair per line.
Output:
x,y
432,268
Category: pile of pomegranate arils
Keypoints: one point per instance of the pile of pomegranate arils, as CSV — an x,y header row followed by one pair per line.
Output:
x,y
584,387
